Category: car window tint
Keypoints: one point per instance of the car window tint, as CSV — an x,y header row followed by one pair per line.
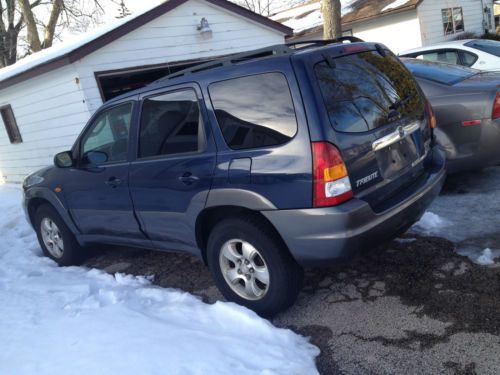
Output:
x,y
366,90
109,134
441,73
468,58
488,46
170,124
448,57
254,111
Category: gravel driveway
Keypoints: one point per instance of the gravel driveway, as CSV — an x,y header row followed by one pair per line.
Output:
x,y
413,306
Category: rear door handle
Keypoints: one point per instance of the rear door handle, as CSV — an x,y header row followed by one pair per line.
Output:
x,y
113,182
188,178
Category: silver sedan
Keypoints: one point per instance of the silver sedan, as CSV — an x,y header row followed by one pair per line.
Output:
x,y
466,103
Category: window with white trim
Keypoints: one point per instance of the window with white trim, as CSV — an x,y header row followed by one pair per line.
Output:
x,y
453,20
10,124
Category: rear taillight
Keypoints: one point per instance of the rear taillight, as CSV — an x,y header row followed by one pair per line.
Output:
x,y
431,117
331,181
496,107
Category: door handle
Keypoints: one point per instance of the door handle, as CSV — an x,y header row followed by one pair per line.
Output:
x,y
113,182
188,178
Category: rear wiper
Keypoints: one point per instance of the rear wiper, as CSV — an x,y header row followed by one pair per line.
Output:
x,y
399,103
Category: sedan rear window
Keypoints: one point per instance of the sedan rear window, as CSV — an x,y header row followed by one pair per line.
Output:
x,y
364,91
445,74
488,46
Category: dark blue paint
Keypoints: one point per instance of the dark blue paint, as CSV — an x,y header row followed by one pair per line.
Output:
x,y
158,200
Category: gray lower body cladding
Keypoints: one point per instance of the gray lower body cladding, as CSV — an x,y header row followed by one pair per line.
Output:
x,y
322,236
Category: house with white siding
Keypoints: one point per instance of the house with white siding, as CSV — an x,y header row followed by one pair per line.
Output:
x,y
399,24
47,98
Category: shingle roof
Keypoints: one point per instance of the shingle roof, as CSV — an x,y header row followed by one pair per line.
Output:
x,y
67,53
307,18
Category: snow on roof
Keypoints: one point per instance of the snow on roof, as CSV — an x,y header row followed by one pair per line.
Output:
x,y
60,49
308,15
395,4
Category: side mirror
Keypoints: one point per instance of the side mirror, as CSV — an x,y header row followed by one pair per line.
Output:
x,y
95,157
63,159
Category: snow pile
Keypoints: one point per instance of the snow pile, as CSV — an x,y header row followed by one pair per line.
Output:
x,y
395,4
79,321
486,258
471,215
430,223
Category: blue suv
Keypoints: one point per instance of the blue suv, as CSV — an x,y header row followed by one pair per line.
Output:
x,y
261,164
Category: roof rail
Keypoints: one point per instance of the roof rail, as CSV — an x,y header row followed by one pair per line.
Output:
x,y
275,50
324,42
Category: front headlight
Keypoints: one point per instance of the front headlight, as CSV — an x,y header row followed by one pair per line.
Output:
x,y
32,180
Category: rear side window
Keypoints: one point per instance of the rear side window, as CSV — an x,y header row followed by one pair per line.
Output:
x,y
441,73
448,57
170,124
254,111
366,90
468,58
488,46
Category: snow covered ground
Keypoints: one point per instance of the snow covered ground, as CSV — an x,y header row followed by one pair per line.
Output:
x,y
468,214
82,321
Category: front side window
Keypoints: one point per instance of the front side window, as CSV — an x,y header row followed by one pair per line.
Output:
x,y
171,124
109,134
254,111
453,20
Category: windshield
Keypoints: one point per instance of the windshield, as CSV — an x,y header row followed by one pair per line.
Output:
x,y
446,74
488,46
364,91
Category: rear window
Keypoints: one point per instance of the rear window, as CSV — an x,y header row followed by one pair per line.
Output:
x,y
254,111
364,91
442,73
488,46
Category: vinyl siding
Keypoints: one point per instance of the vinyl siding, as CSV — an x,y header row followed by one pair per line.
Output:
x,y
50,112
431,24
399,32
173,37
52,109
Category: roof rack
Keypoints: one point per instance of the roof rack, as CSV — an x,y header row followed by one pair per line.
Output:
x,y
275,50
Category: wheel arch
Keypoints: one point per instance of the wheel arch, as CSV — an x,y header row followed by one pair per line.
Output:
x,y
37,197
210,216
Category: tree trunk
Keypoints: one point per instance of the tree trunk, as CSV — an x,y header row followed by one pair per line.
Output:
x,y
332,19
29,19
50,29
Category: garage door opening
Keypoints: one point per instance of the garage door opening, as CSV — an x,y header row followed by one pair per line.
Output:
x,y
118,82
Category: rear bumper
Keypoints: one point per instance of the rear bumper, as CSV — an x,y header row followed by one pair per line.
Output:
x,y
463,155
322,236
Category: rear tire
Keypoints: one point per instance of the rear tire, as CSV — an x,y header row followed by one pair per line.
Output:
x,y
252,267
55,238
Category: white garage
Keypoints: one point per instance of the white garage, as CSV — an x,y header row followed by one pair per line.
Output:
x,y
46,98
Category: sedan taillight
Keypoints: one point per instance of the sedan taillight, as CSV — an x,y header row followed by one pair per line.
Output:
x,y
431,117
496,107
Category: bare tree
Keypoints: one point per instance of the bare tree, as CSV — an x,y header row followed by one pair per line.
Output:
x,y
28,26
123,11
332,19
262,7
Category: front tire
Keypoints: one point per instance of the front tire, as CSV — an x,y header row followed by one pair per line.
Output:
x,y
55,238
252,267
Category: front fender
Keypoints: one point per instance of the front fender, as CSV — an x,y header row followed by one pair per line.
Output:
x,y
51,197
